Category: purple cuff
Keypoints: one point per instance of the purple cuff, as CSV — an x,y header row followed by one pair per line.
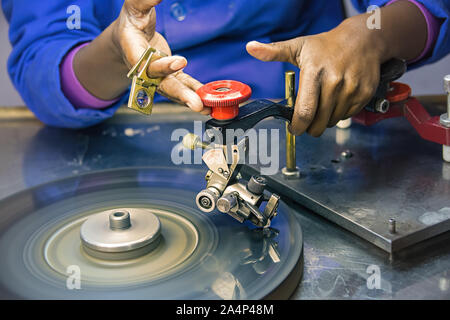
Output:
x,y
433,28
73,89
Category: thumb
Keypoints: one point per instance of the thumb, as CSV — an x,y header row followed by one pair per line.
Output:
x,y
140,7
284,51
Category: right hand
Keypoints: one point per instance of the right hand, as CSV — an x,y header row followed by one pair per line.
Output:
x,y
133,32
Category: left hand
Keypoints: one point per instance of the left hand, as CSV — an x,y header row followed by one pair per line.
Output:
x,y
133,31
340,72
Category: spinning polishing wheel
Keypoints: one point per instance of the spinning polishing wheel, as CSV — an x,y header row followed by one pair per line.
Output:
x,y
137,234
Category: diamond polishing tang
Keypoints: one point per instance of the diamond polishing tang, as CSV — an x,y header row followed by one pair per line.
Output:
x,y
120,233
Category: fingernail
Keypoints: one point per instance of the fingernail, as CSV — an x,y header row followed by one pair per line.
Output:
x,y
190,106
194,107
178,64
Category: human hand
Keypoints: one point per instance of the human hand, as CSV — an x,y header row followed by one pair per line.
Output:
x,y
340,72
133,32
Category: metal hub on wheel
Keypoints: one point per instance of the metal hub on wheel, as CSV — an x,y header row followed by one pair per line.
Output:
x,y
120,233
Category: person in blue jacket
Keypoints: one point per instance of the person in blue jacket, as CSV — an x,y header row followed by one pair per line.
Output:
x,y
74,74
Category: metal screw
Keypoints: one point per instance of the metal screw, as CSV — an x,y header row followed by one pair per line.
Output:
x,y
346,154
205,202
392,226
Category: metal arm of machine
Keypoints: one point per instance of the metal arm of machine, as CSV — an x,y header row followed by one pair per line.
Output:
x,y
226,191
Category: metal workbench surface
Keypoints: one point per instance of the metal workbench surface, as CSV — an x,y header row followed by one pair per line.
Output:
x,y
338,264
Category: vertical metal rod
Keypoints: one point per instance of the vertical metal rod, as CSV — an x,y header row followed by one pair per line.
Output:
x,y
291,169
447,91
445,118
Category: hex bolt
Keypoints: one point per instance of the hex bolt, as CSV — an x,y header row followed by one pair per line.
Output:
x,y
445,118
382,105
392,226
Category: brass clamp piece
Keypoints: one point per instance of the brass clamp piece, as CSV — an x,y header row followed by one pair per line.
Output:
x,y
143,87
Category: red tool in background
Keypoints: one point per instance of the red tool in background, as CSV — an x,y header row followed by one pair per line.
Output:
x,y
401,104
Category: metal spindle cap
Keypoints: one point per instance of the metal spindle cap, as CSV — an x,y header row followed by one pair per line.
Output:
x,y
120,233
119,220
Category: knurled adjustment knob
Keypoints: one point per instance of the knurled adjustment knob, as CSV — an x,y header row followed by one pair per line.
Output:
x,y
398,92
224,97
256,184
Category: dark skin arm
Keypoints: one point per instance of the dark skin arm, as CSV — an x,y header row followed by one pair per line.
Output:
x,y
340,68
102,66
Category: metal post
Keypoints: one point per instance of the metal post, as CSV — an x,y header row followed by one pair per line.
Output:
x,y
445,118
291,170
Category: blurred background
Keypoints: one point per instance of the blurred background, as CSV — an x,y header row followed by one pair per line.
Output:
x,y
424,81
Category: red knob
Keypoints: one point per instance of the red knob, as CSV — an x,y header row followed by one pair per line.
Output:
x,y
398,92
224,97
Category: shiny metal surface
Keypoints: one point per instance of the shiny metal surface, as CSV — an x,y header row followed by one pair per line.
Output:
x,y
291,170
336,261
106,231
392,174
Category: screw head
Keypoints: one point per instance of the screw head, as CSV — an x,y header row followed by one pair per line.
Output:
x,y
392,225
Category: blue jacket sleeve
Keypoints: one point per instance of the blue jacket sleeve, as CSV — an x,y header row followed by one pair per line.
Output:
x,y
40,39
440,9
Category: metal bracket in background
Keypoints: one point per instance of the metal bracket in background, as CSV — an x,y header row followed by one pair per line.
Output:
x,y
143,88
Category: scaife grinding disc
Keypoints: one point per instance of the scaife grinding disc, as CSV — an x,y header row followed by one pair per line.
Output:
x,y
56,242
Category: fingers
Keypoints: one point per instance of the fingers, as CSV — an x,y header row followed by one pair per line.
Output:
x,y
165,66
352,100
174,89
344,101
285,51
307,101
134,45
190,82
193,84
329,92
